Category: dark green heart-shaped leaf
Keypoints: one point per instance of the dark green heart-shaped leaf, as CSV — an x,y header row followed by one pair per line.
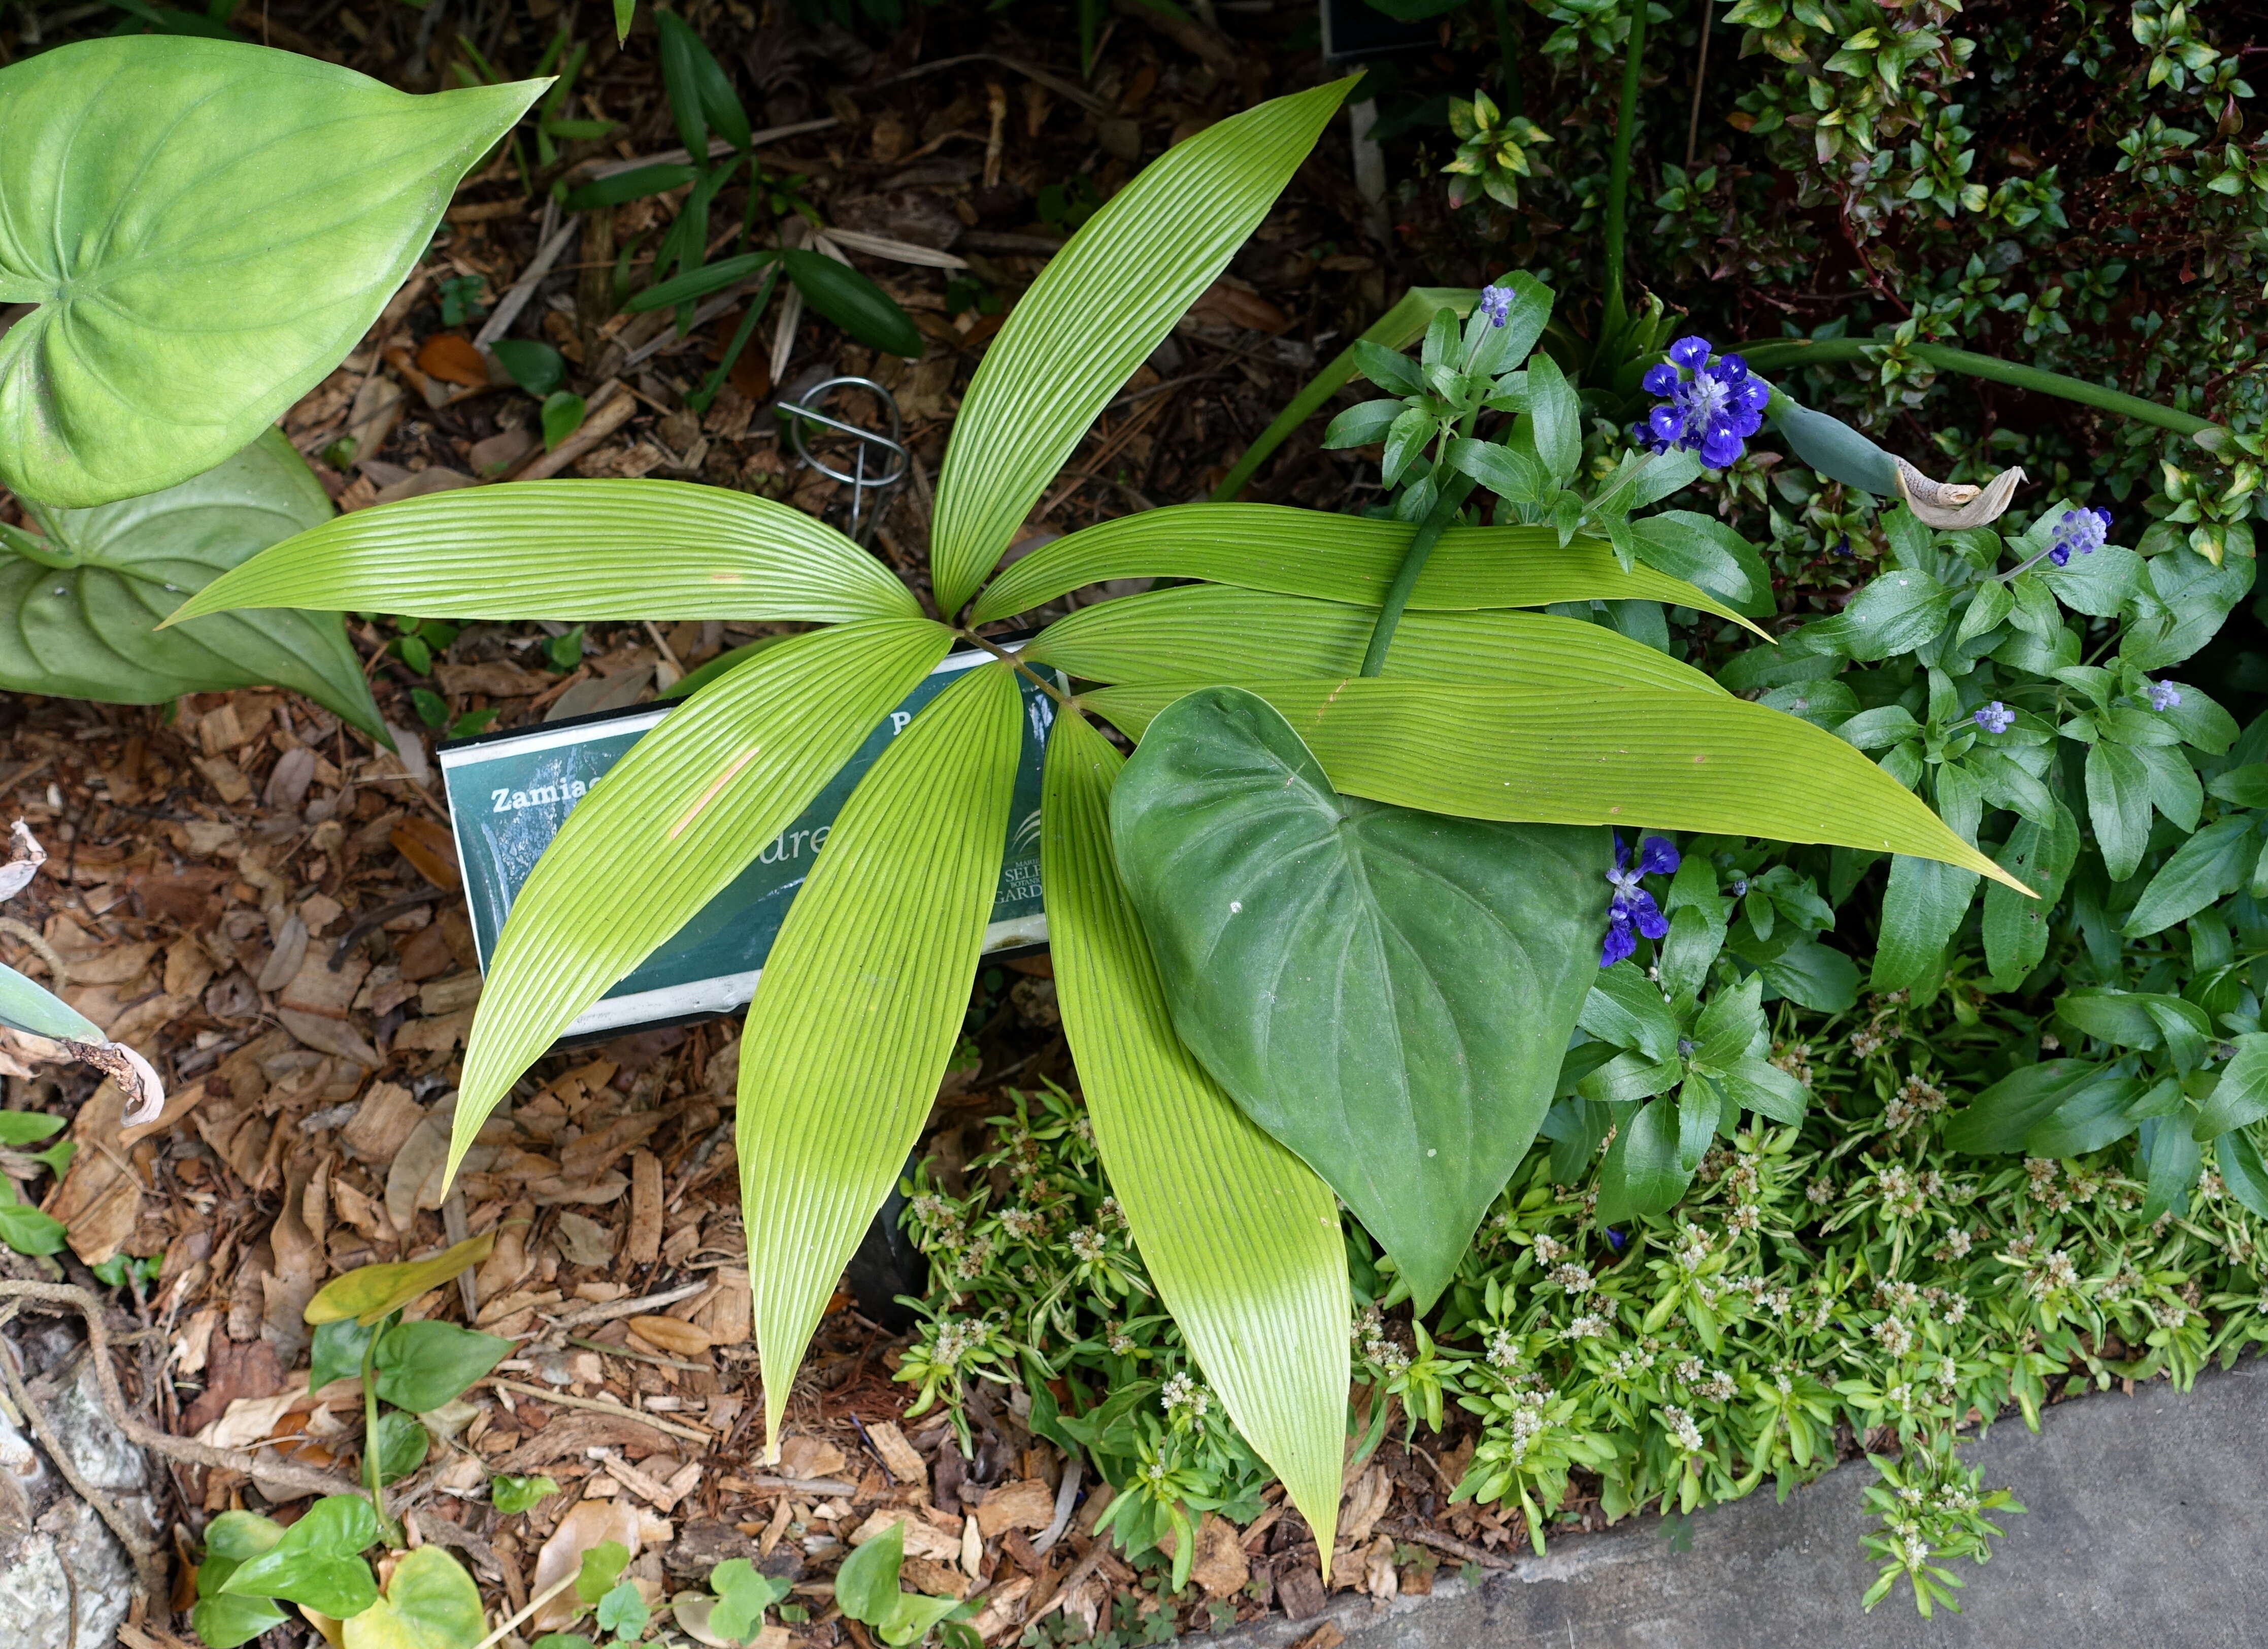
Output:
x,y
1388,992
206,228
422,1366
79,606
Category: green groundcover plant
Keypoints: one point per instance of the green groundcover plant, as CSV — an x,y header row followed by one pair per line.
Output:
x,y
1457,799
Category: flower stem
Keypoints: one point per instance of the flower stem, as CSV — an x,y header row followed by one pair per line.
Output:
x,y
1781,352
1413,562
1020,668
1619,167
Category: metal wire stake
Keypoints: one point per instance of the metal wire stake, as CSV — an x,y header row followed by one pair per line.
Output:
x,y
859,482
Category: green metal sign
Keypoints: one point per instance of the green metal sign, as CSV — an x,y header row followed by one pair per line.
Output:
x,y
509,793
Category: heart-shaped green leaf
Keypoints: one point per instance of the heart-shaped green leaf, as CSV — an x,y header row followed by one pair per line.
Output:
x,y
79,606
318,1562
1388,992
422,1366
207,227
429,1603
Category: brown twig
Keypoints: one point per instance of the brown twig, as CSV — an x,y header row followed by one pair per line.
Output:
x,y
1454,1547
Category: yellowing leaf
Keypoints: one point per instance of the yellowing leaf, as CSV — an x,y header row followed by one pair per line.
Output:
x,y
369,1294
1241,1237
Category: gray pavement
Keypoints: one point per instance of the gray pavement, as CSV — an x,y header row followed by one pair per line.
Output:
x,y
2149,1519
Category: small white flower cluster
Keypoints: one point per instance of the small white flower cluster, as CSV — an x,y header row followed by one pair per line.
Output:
x,y
1572,1278
1867,1043
1087,1244
1109,1216
1894,1336
1592,1326
1183,1396
1022,1223
1904,1193
1684,1436
1631,1361
1370,1335
1527,1424
1820,1192
1796,1059
957,1337
1914,1101
942,1219
1503,1349
1693,1246
2056,1272
1954,1245
1549,1249
1115,1335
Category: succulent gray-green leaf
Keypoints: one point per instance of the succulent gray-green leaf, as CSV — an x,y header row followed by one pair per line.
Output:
x,y
78,612
206,228
1388,992
27,1007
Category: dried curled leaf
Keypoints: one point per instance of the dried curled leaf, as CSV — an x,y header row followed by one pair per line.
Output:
x,y
1951,505
25,857
370,1294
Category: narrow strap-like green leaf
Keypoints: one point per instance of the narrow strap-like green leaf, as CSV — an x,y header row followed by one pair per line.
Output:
x,y
1207,632
1636,758
1241,1237
25,1006
669,827
571,549
1335,558
1102,306
860,1003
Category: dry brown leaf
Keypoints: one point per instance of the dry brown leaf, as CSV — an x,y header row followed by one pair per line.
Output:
x,y
907,1467
667,1332
382,1124
417,1165
1027,1504
587,1524
643,1243
920,1540
314,987
99,1200
452,357
1366,1503
430,848
1221,1567
583,1240
805,1456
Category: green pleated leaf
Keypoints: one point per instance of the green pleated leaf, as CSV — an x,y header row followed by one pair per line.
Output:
x,y
1199,632
1102,306
1335,558
76,621
27,1007
568,550
206,228
669,827
1343,968
861,1002
1240,1237
1640,757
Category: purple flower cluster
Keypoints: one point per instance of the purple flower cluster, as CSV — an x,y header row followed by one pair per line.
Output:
x,y
1631,906
1709,406
2080,532
1496,303
1995,717
2164,696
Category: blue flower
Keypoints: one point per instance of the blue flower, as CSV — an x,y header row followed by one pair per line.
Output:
x,y
1995,717
2082,531
1631,906
1708,407
1496,303
2164,696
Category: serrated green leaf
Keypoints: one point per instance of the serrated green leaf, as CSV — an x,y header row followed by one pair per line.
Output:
x,y
1201,632
1341,967
1335,558
1675,760
688,808
1088,322
207,228
1246,1253
861,1002
78,622
639,548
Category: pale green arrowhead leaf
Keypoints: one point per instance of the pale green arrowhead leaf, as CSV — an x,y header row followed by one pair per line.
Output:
x,y
1642,757
1246,1253
861,1001
25,1006
1347,970
207,228
670,826
570,550
1201,632
79,621
429,1603
1101,306
1335,558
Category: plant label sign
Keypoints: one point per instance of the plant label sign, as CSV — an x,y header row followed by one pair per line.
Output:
x,y
509,793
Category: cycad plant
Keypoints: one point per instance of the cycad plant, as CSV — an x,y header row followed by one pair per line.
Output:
x,y
1329,931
